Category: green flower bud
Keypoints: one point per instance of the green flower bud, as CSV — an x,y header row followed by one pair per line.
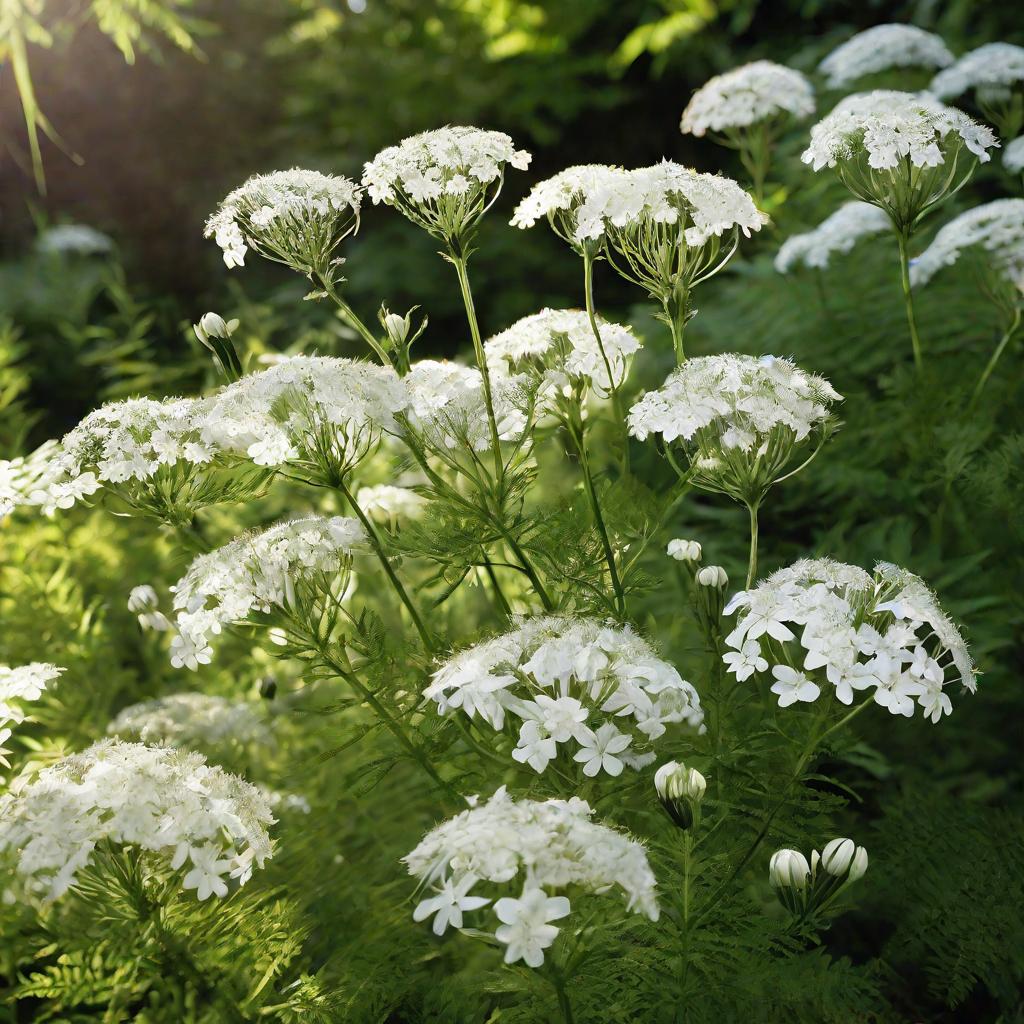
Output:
x,y
680,790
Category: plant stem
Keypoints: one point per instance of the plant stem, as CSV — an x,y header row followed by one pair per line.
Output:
x,y
378,546
499,594
558,983
1003,342
350,317
903,238
677,326
752,508
481,360
528,568
617,409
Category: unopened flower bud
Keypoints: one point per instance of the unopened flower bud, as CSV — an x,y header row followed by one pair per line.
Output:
x,y
214,326
397,327
859,864
684,550
788,869
215,334
713,576
142,599
680,790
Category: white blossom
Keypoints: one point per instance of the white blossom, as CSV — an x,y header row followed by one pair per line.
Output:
x,y
881,48
552,845
256,573
789,868
295,217
821,624
684,550
995,229
836,234
889,126
1013,155
562,343
992,70
159,800
79,239
595,689
389,503
747,95
25,475
23,683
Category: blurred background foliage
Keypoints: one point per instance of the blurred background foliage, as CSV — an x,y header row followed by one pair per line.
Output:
x,y
913,477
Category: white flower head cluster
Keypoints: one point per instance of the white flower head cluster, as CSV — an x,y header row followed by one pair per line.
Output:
x,y
447,406
130,447
168,802
256,573
295,217
196,721
739,417
1013,155
319,412
993,71
24,683
560,197
891,126
389,503
25,475
443,180
553,844
995,229
596,690
821,624
74,239
705,205
836,234
746,96
881,48
561,342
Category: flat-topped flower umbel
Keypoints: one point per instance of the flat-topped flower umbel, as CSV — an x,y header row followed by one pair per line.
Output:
x,y
836,234
883,48
995,74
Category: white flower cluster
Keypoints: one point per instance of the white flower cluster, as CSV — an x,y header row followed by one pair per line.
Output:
x,y
1013,155
123,442
559,198
993,70
197,721
453,162
319,410
553,843
24,683
570,681
255,573
165,801
996,228
747,95
837,233
563,343
733,402
384,501
708,205
296,217
889,126
856,632
25,475
881,48
79,239
447,406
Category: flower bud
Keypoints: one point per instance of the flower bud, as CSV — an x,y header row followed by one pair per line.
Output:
x,y
396,327
214,326
684,550
858,865
680,790
215,334
788,869
713,576
142,599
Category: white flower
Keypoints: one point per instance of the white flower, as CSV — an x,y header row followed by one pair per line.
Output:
x,y
890,126
383,501
713,576
449,903
165,801
295,217
23,683
563,677
598,751
995,229
684,550
1013,155
79,239
837,234
792,686
562,344
883,47
842,856
673,781
746,96
256,573
789,868
24,476
552,844
746,661
526,929
992,70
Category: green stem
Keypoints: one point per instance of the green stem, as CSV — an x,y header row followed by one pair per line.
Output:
x,y
378,546
527,567
616,395
903,238
558,983
481,360
675,312
499,594
1003,342
350,317
752,508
